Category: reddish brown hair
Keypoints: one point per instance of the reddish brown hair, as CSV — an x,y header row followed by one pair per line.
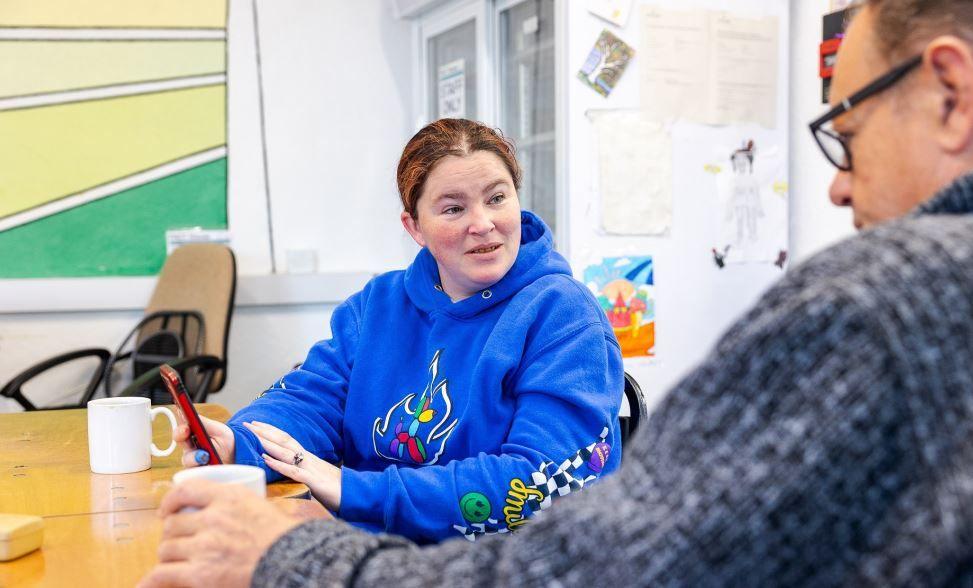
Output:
x,y
448,136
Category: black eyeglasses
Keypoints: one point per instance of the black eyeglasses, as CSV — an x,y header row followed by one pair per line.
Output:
x,y
832,143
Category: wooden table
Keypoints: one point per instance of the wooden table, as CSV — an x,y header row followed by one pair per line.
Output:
x,y
99,529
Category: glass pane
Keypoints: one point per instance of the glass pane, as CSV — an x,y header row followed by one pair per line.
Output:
x,y
452,72
527,99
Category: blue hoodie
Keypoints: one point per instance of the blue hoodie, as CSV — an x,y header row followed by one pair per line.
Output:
x,y
456,418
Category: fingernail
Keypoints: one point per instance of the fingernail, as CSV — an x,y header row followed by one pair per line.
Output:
x,y
201,457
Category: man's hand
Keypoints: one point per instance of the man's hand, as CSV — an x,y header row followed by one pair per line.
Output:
x,y
221,543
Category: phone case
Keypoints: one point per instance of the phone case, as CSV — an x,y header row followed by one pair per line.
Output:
x,y
197,432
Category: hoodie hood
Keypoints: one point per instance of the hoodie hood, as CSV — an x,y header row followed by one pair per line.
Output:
x,y
535,260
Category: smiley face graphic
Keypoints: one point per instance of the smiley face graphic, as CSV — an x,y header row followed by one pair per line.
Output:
x,y
475,507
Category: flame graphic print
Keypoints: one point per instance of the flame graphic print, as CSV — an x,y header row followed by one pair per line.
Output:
x,y
415,430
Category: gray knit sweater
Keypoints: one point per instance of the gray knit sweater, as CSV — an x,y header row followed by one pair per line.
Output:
x,y
827,440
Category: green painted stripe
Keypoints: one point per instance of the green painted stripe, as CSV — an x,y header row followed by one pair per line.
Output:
x,y
119,235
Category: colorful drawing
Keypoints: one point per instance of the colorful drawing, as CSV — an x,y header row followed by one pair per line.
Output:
x,y
415,437
606,62
625,286
111,136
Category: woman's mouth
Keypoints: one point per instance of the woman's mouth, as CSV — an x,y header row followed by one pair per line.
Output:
x,y
485,249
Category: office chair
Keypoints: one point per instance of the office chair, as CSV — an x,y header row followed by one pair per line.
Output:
x,y
187,324
638,413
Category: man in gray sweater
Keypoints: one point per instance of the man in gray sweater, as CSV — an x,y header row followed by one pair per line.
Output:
x,y
827,440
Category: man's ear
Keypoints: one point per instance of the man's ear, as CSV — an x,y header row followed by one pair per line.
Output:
x,y
412,226
952,68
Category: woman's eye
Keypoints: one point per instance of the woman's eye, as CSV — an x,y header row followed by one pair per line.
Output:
x,y
498,198
452,210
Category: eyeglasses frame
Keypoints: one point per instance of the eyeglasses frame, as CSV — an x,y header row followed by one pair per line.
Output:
x,y
876,86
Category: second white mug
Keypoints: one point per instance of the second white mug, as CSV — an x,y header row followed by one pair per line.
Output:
x,y
250,477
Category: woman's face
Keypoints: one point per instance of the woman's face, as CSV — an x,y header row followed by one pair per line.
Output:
x,y
469,218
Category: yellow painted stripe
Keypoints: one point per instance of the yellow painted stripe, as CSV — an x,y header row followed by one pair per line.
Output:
x,y
52,66
51,152
114,13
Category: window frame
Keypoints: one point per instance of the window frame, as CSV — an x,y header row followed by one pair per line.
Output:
x,y
486,14
440,20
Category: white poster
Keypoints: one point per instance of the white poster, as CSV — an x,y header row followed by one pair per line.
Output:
x,y
634,172
452,89
709,67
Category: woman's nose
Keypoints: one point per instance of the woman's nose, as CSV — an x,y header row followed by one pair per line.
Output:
x,y
480,221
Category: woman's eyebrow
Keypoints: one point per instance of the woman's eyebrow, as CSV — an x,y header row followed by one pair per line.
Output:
x,y
449,196
494,184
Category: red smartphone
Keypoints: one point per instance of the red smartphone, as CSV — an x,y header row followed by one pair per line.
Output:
x,y
197,432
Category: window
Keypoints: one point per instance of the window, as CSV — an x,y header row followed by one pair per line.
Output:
x,y
493,61
452,68
526,88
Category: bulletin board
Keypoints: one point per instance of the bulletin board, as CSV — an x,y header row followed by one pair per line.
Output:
x,y
677,160
113,115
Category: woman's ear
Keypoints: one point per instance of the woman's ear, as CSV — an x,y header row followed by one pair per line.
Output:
x,y
412,227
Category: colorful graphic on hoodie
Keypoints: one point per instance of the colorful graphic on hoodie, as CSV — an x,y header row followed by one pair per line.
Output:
x,y
426,418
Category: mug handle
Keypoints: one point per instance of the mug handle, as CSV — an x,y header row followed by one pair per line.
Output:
x,y
156,452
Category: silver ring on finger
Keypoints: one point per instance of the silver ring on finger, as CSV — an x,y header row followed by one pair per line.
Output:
x,y
298,458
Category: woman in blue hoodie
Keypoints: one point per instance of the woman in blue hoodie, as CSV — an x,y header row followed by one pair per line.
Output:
x,y
458,396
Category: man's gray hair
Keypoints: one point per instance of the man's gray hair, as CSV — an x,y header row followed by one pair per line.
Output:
x,y
902,27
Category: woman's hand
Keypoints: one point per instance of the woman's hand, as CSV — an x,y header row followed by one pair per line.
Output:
x,y
286,457
219,433
218,541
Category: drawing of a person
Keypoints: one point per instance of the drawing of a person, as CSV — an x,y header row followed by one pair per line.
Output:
x,y
745,206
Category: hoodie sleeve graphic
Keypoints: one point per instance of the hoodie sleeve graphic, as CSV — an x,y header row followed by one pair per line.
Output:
x,y
544,488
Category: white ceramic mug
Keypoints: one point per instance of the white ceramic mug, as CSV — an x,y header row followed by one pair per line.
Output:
x,y
248,476
120,434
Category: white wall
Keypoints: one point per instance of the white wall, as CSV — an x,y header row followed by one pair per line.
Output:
x,y
264,343
694,305
695,301
338,86
338,79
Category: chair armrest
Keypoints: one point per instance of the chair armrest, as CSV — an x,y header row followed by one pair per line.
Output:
x,y
13,387
206,363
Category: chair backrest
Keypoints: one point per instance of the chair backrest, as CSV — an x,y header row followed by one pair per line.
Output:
x,y
199,277
638,413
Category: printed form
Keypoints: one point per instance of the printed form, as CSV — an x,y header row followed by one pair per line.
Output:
x,y
709,67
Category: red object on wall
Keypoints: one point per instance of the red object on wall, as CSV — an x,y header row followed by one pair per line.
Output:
x,y
828,52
